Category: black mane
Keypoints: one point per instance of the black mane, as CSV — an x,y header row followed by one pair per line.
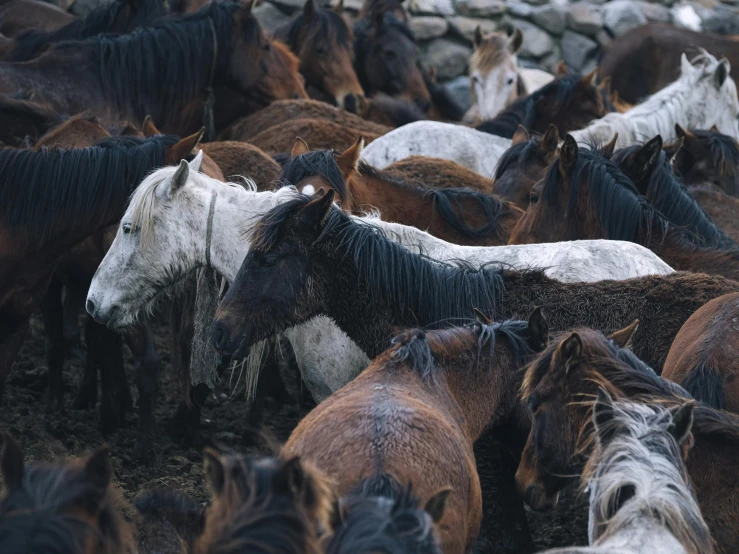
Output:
x,y
523,111
324,25
42,192
157,70
668,195
32,42
318,162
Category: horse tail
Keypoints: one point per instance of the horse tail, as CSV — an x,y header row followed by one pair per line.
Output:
x,y
705,384
446,200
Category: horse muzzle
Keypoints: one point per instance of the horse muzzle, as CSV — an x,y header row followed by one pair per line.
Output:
x,y
236,347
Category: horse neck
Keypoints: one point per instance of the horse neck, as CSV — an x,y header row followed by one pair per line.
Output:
x,y
392,197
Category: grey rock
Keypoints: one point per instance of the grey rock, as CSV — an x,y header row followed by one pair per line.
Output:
x,y
551,18
270,17
655,12
460,90
668,2
598,1
449,57
537,2
622,16
81,8
549,63
426,27
722,20
603,38
577,49
585,18
480,8
536,42
519,9
355,5
464,27
432,7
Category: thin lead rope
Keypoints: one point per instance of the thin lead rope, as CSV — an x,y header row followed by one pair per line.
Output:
x,y
209,121
209,228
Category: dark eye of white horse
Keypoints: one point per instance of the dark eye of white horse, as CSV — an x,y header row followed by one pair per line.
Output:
x,y
510,81
126,228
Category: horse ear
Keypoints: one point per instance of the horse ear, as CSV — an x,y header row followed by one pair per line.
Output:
x,y
183,149
315,213
605,86
516,41
550,141
436,504
148,128
538,330
678,146
570,351
602,416
649,154
197,161
680,132
433,74
608,148
588,81
348,160
243,14
480,316
625,336
215,473
477,40
290,476
309,10
682,422
12,462
568,155
179,178
521,135
562,69
300,147
714,128
339,8
721,73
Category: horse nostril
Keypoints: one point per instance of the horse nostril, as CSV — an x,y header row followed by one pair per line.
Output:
x,y
90,307
350,103
219,335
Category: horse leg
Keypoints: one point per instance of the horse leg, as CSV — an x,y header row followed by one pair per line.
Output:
x,y
71,301
9,348
52,311
504,528
148,368
104,352
186,420
269,383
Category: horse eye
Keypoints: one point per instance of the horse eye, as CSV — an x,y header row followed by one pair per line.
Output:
x,y
320,50
389,55
533,198
267,46
534,404
126,228
510,81
269,261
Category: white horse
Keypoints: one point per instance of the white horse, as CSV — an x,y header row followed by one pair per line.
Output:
x,y
168,232
640,497
496,81
473,149
703,96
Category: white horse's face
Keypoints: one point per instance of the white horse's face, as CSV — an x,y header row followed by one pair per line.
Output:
x,y
496,89
715,91
150,256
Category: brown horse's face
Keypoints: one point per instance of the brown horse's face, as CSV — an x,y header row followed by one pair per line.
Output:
x,y
262,68
586,106
391,62
698,163
548,459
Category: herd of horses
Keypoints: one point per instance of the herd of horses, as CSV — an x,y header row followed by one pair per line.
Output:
x,y
487,307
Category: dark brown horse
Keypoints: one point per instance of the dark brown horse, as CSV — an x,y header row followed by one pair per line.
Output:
x,y
283,111
19,16
561,387
264,505
166,70
585,196
524,164
24,121
386,56
120,16
570,103
412,417
720,207
68,508
647,58
369,285
702,358
458,215
324,42
706,157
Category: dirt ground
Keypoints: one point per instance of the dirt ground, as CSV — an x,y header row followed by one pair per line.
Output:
x,y
50,436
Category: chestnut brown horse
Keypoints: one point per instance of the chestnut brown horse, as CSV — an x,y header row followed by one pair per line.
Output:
x,y
647,59
706,157
333,265
120,16
570,103
702,358
458,215
264,505
243,160
561,387
720,207
322,134
437,173
18,16
585,196
412,417
524,164
324,42
173,70
68,508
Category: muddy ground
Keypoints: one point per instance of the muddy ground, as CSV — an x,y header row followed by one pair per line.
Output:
x,y
50,436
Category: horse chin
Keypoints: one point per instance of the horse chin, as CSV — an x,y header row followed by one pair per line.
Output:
x,y
242,350
538,500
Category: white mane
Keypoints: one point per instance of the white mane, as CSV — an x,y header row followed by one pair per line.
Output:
x,y
693,101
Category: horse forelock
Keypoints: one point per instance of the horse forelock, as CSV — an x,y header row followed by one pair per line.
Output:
x,y
492,51
324,25
644,456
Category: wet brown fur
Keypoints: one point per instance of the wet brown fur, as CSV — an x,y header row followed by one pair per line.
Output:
x,y
438,173
322,135
243,159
